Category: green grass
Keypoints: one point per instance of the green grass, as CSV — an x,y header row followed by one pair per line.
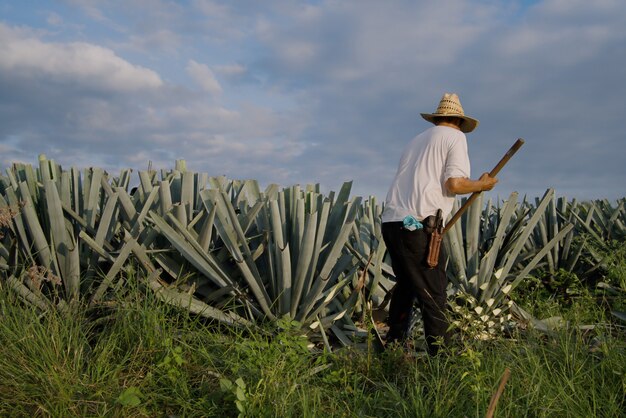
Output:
x,y
143,358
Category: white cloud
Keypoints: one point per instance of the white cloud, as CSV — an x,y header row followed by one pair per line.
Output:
x,y
83,63
159,39
230,70
318,89
84,114
204,77
90,8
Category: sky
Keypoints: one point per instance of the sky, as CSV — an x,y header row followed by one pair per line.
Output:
x,y
327,91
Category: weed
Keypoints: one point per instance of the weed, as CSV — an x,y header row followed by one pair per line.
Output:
x,y
150,359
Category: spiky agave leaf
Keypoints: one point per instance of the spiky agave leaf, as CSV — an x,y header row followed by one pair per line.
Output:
x,y
505,263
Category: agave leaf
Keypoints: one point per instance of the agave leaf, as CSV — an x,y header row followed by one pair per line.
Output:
x,y
187,194
297,222
355,296
181,214
186,248
201,184
107,224
165,197
330,262
113,271
42,248
304,262
65,246
13,183
138,221
206,231
145,181
235,240
271,192
524,273
25,172
66,190
567,256
553,226
339,241
511,256
377,265
488,261
106,229
90,208
180,165
338,212
123,180
472,235
543,233
341,336
20,225
200,214
283,259
248,219
26,294
192,304
453,240
44,168
96,247
128,211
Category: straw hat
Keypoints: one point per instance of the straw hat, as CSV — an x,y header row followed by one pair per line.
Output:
x,y
450,106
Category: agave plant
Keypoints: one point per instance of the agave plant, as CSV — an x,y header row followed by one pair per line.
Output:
x,y
263,255
489,257
601,225
73,235
367,244
221,248
603,220
287,250
235,253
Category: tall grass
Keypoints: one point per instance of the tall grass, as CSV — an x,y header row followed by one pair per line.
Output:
x,y
143,358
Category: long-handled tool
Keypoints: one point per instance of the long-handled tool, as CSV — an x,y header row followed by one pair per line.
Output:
x,y
437,236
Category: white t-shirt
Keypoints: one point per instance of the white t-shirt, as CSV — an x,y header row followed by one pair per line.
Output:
x,y
430,159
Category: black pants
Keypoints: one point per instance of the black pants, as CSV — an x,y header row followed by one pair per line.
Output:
x,y
415,280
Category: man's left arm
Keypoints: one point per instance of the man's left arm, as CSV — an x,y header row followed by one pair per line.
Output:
x,y
463,185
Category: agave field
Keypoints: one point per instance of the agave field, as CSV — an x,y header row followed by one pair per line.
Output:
x,y
241,257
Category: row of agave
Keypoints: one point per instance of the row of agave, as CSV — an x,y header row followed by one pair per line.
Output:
x,y
495,248
221,248
227,250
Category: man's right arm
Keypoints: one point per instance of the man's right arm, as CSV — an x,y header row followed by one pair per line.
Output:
x,y
462,185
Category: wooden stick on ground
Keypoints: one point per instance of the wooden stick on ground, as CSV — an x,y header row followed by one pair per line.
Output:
x,y
496,396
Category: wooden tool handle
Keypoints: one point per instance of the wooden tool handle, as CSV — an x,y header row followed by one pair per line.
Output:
x,y
516,146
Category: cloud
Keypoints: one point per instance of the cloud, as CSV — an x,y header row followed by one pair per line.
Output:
x,y
231,70
549,73
204,77
324,91
90,8
78,62
102,110
157,40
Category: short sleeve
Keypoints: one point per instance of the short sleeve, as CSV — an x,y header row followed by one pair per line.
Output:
x,y
457,161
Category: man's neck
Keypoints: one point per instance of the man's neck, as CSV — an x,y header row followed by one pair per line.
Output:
x,y
449,125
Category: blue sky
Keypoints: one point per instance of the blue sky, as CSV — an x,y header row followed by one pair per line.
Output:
x,y
317,92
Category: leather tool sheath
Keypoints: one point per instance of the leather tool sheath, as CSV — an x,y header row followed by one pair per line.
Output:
x,y
434,241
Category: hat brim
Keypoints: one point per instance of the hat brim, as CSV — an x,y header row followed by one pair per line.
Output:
x,y
468,124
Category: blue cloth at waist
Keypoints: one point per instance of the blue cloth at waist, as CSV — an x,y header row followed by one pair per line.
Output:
x,y
410,223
